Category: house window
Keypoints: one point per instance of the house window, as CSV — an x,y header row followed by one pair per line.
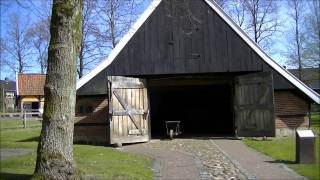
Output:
x,y
9,95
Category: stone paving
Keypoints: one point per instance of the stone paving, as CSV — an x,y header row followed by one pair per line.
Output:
x,y
259,165
210,162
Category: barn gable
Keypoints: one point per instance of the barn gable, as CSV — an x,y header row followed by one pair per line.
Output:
x,y
184,38
173,37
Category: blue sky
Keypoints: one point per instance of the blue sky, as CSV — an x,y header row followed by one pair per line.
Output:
x,y
27,16
29,12
8,7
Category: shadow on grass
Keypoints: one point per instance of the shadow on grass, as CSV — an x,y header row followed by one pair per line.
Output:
x,y
9,176
32,139
282,161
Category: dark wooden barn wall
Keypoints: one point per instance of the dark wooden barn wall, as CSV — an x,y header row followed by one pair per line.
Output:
x,y
96,86
184,37
91,127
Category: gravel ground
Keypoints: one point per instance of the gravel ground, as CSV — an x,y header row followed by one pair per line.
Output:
x,y
215,162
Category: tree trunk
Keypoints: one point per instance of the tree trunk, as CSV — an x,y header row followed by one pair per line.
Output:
x,y
55,153
81,59
296,18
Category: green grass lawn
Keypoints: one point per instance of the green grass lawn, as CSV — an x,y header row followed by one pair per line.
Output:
x,y
16,124
98,161
283,150
315,123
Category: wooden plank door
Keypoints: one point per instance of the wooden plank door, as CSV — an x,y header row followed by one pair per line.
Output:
x,y
128,110
254,105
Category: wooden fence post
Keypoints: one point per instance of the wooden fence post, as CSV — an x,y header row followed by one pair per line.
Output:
x,y
24,119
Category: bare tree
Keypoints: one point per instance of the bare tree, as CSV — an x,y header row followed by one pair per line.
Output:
x,y
39,35
40,9
89,52
104,23
116,17
236,10
17,45
2,55
55,151
312,52
262,19
295,49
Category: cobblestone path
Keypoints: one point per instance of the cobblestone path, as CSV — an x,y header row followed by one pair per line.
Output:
x,y
210,163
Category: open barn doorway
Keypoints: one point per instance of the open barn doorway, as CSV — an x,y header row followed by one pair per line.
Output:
x,y
204,110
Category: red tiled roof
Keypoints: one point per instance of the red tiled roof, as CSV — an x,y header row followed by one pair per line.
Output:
x,y
31,84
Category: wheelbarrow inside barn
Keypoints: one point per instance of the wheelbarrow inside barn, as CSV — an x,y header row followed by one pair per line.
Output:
x,y
201,110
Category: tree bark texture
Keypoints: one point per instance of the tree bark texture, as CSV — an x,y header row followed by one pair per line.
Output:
x,y
55,151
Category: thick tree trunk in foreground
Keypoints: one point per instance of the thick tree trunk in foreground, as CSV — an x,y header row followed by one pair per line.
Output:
x,y
55,153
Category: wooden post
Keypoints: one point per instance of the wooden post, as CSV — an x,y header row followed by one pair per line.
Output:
x,y
24,119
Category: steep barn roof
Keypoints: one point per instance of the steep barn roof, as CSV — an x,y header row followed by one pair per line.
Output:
x,y
8,85
30,84
100,69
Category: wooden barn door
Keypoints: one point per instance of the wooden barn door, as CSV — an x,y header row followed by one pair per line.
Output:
x,y
128,110
254,107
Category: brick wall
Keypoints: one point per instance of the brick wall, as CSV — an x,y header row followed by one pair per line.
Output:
x,y
91,120
291,110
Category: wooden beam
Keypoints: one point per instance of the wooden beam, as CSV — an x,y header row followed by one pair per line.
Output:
x,y
125,112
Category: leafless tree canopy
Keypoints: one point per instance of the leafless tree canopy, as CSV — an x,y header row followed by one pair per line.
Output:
x,y
313,25
303,36
237,11
17,45
89,52
297,35
39,35
106,21
263,21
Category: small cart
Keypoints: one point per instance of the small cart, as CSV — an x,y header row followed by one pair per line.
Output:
x,y
173,128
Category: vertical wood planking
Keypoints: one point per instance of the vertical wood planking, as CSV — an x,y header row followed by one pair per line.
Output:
x,y
163,46
160,46
116,126
123,123
212,54
128,102
254,105
114,117
147,47
154,40
120,125
220,41
136,91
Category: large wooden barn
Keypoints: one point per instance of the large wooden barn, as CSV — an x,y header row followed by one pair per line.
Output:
x,y
188,61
